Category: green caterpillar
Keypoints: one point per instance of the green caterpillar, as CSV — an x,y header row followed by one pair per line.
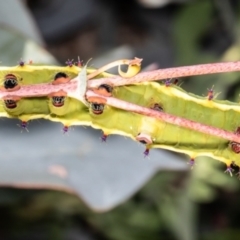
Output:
x,y
163,97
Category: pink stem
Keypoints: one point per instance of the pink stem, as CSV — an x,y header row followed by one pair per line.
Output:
x,y
167,73
182,122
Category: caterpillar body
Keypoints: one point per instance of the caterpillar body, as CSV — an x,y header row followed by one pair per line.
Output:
x,y
60,107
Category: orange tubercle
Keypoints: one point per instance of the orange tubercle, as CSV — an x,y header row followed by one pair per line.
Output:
x,y
102,91
98,100
58,93
61,80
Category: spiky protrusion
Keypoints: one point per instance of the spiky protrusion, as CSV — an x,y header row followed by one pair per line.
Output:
x,y
171,81
79,62
229,170
191,163
21,63
23,125
146,152
210,94
104,137
70,62
168,82
65,129
238,174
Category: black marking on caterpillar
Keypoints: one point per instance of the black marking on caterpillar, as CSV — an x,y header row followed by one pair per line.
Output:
x,y
107,87
10,81
234,145
60,75
10,103
97,108
175,81
58,101
157,107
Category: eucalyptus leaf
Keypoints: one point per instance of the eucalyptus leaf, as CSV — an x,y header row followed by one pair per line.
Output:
x,y
102,174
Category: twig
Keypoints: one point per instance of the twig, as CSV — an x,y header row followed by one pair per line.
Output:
x,y
163,74
181,122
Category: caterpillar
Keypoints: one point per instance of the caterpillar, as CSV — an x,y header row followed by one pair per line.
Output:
x,y
67,95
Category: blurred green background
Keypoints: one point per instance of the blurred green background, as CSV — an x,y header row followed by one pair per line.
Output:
x,y
75,187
